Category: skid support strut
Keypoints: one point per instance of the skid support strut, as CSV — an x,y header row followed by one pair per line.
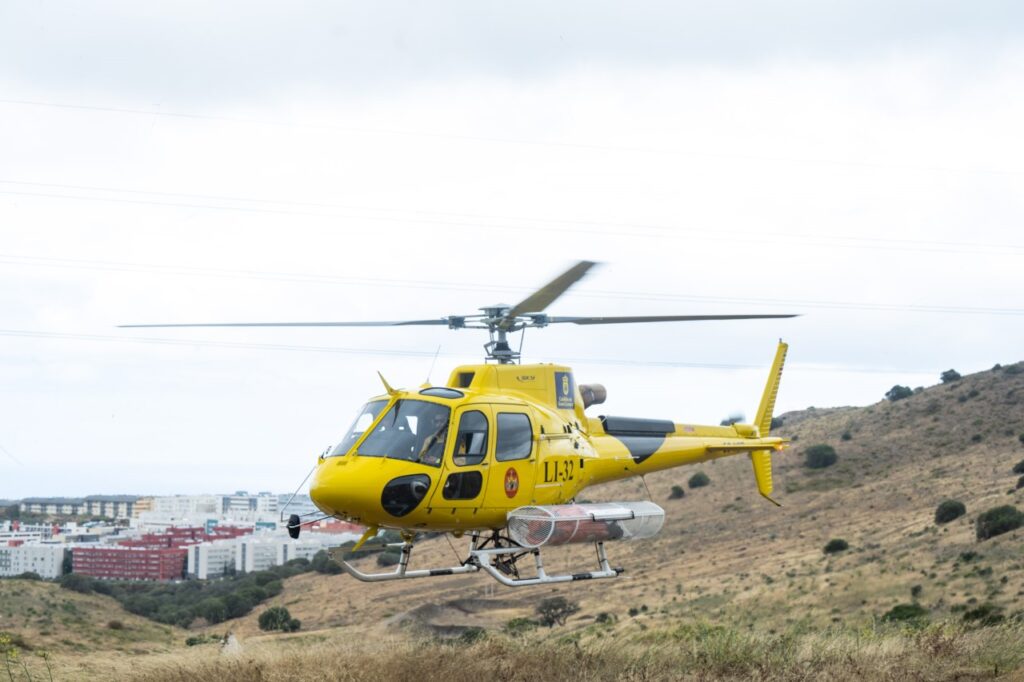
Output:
x,y
498,561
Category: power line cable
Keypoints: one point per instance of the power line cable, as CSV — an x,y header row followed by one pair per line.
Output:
x,y
512,141
662,230
820,241
114,266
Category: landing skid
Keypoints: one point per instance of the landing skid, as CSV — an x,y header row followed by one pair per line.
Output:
x,y
496,555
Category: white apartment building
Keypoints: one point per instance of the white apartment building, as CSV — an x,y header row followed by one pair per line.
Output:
x,y
46,560
212,559
256,552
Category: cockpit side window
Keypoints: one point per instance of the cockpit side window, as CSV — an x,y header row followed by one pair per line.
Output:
x,y
471,440
366,417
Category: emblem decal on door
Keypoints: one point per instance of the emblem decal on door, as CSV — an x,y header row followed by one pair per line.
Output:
x,y
511,482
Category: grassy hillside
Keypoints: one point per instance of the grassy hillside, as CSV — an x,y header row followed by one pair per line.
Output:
x,y
778,605
80,633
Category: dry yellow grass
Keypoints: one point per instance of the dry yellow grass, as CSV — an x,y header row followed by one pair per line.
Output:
x,y
695,652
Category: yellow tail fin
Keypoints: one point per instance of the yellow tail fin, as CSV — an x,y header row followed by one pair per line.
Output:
x,y
762,459
763,418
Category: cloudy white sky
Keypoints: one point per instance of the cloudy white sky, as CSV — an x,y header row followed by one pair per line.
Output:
x,y
859,163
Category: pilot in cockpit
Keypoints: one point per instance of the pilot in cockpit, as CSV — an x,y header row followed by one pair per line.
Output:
x,y
432,449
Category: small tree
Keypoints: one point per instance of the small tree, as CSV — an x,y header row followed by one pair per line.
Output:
x,y
998,521
677,492
556,610
898,392
76,582
949,376
836,545
948,510
820,456
699,480
275,618
322,563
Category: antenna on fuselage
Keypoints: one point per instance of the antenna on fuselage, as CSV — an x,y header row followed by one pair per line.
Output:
x,y
432,363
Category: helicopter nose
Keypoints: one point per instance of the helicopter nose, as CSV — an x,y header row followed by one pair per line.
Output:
x,y
338,491
362,491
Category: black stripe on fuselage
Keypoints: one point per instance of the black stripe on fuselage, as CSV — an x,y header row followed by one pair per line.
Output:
x,y
641,447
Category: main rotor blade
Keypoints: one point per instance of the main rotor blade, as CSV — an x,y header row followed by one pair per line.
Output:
x,y
401,323
659,318
546,295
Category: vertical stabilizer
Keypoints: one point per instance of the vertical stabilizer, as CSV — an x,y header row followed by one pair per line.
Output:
x,y
762,459
763,419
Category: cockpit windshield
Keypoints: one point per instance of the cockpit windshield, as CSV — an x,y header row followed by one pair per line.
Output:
x,y
413,430
365,419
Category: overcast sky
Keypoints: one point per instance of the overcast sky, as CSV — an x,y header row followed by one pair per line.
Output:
x,y
859,163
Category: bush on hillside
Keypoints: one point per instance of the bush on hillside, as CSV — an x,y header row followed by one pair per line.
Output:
x,y
820,456
906,613
985,614
698,480
322,563
998,521
389,557
76,582
29,575
898,392
556,610
1018,468
275,618
949,510
1020,483
677,492
776,423
836,545
949,376
520,626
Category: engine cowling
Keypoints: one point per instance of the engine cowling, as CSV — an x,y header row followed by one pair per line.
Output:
x,y
593,394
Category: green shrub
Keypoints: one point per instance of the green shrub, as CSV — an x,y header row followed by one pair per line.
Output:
x,y
471,635
115,625
389,557
906,613
29,575
949,376
322,563
519,626
275,618
605,618
998,521
776,423
820,456
556,610
986,614
213,610
699,480
836,545
1020,483
846,436
948,510
677,492
1018,468
898,392
76,582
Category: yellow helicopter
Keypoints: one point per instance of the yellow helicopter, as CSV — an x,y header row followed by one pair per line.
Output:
x,y
500,452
